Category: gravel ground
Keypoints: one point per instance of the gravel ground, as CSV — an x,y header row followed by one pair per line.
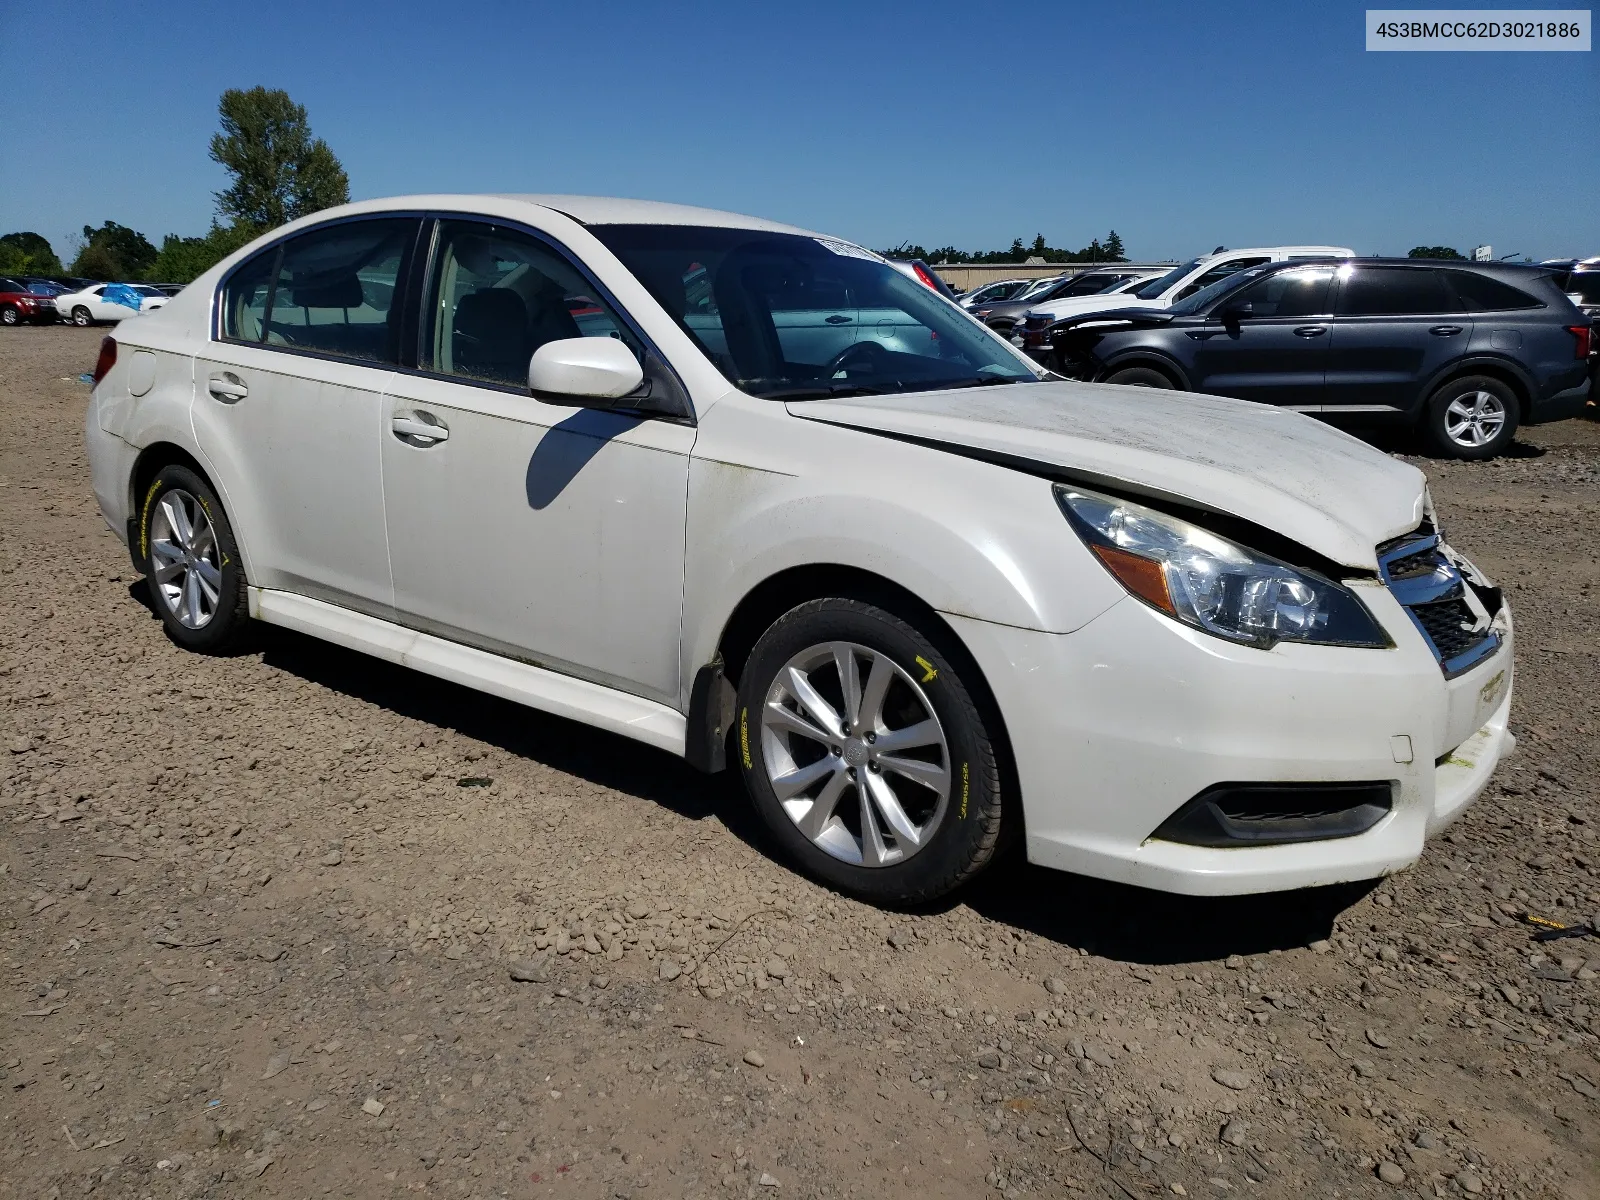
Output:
x,y
300,923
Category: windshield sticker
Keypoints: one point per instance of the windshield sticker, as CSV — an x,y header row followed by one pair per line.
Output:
x,y
846,250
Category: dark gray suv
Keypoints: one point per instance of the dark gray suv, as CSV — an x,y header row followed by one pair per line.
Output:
x,y
1467,351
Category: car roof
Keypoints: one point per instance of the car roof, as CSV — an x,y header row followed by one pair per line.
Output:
x,y
611,210
1331,251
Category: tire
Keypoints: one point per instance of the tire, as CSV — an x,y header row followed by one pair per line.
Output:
x,y
81,317
1474,417
8,316
1140,377
944,788
196,582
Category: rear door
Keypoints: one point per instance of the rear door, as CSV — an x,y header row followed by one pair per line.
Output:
x,y
1270,342
288,407
1394,328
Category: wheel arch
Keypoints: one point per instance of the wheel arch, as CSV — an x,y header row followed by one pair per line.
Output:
x,y
1503,370
1151,359
710,707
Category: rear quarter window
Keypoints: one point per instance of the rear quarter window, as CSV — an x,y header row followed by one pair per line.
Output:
x,y
1480,293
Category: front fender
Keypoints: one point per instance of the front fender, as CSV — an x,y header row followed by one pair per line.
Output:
x,y
769,492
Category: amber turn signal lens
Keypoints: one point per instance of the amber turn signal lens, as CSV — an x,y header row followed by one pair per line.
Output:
x,y
1144,577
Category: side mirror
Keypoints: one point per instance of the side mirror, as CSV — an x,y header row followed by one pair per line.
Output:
x,y
1234,313
584,369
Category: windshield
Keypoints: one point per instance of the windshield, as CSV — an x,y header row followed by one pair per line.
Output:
x,y
1037,286
1585,284
789,317
1198,300
1118,285
1161,283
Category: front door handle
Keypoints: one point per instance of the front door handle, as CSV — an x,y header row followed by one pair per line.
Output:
x,y
1311,331
836,319
420,428
1445,330
227,387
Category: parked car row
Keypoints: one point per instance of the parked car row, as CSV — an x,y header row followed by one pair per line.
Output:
x,y
1467,352
41,301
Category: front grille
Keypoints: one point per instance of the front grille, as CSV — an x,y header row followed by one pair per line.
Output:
x,y
1449,626
1453,608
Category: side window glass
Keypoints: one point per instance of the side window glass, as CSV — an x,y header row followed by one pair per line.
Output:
x,y
1392,292
335,289
1298,293
498,295
244,298
1221,271
1479,293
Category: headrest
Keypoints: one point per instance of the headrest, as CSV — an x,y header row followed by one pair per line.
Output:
x,y
327,291
492,315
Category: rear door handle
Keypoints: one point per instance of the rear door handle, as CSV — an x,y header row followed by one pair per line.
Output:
x,y
227,387
1445,330
836,319
1311,331
420,428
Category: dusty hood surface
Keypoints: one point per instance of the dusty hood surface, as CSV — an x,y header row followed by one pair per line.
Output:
x,y
1287,472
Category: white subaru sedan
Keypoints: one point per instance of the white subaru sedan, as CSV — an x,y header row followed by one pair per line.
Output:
x,y
747,494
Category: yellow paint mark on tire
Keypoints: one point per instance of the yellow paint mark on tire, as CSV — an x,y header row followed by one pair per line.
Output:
x,y
932,672
966,788
144,521
744,737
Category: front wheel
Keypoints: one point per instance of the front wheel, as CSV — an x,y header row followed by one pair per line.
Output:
x,y
191,563
1474,417
865,753
8,316
81,317
1140,377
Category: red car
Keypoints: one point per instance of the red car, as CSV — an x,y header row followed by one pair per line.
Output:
x,y
18,304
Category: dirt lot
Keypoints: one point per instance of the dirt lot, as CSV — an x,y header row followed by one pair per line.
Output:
x,y
260,917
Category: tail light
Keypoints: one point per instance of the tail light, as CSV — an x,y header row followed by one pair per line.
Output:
x,y
107,359
1585,336
922,274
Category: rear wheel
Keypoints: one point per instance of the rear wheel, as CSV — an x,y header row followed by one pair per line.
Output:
x,y
80,316
192,563
1473,417
1140,377
866,755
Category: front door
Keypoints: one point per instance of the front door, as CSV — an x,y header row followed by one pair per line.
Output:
x,y
546,533
1394,328
1268,342
288,408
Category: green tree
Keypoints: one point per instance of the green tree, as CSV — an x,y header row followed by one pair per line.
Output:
x,y
184,259
114,252
1435,252
1113,247
279,170
28,254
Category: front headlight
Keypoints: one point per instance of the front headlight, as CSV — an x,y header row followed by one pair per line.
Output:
x,y
1213,584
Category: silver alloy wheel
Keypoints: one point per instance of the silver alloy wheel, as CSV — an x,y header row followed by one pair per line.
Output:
x,y
185,564
81,317
1474,419
825,732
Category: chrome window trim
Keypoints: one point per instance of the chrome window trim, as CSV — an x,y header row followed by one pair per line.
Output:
x,y
216,334
556,246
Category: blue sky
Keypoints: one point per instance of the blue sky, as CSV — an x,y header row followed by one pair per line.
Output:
x,y
1182,126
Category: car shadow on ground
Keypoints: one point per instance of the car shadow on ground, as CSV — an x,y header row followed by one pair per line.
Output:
x,y
1111,920
1137,925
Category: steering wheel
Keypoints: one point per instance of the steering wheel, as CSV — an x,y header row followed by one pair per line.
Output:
x,y
871,354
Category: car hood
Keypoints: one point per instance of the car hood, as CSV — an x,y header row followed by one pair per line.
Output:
x,y
1075,305
1289,473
